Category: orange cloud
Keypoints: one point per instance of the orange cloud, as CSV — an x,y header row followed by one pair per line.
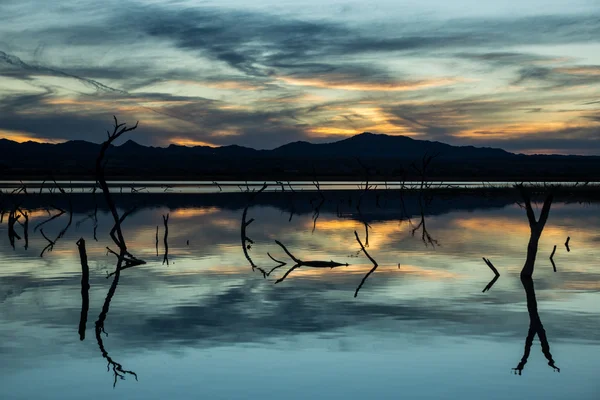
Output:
x,y
511,131
193,212
181,141
365,86
20,137
590,70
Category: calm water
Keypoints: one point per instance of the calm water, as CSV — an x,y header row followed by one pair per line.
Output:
x,y
204,325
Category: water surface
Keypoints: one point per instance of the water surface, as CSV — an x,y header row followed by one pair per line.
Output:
x,y
201,323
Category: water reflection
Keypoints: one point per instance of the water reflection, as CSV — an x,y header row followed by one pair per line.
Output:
x,y
208,298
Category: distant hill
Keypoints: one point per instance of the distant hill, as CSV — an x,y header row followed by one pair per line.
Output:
x,y
388,157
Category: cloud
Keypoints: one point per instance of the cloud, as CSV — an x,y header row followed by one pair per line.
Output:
x,y
216,75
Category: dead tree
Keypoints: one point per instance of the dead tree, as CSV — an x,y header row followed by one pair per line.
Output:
x,y
301,263
123,257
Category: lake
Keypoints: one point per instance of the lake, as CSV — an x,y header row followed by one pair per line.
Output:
x,y
198,321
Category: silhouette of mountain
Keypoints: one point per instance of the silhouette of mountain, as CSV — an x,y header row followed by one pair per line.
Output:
x,y
388,157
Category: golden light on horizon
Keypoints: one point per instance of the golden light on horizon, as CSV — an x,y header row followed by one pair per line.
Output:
x,y
400,86
22,137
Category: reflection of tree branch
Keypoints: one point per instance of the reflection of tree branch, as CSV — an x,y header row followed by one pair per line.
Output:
x,y
52,243
535,326
302,263
12,233
422,171
166,256
370,258
246,241
552,258
85,287
279,264
496,275
117,368
156,240
60,212
317,209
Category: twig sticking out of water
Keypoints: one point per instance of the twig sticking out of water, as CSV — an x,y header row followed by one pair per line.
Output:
x,y
496,273
166,222
375,265
567,244
552,258
85,287
302,263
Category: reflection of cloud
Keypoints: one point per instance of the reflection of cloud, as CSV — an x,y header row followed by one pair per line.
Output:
x,y
210,296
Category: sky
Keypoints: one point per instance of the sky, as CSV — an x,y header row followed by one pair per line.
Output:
x,y
520,75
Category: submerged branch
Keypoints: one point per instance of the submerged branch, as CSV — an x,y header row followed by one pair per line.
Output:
x,y
362,282
166,223
496,275
85,288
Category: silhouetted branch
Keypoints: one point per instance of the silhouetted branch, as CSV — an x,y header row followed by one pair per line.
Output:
x,y
302,263
567,243
279,264
219,186
535,323
52,243
246,241
552,258
85,287
362,282
25,225
536,227
12,233
496,275
60,212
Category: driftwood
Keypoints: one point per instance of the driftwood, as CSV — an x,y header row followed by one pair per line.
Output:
x,y
301,263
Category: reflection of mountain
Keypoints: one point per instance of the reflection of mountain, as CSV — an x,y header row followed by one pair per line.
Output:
x,y
389,156
342,202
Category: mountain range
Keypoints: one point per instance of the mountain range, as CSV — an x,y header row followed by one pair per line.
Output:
x,y
380,156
